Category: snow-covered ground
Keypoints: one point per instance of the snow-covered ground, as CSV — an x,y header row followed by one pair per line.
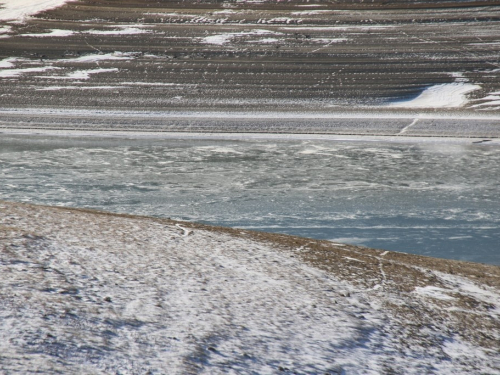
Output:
x,y
84,292
19,9
448,95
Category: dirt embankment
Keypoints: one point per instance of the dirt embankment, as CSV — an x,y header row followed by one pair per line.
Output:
x,y
288,55
81,269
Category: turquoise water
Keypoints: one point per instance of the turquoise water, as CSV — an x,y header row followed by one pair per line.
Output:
x,y
438,199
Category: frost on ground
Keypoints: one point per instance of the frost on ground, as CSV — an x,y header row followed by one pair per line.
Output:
x,y
18,9
448,95
87,292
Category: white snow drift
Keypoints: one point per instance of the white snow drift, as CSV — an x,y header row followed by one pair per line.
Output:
x,y
448,95
17,10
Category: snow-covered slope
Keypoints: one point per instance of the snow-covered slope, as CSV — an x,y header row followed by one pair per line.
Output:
x,y
18,9
448,95
86,292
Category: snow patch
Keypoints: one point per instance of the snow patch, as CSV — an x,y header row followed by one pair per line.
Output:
x,y
53,32
83,74
312,12
122,31
5,29
456,348
280,20
150,84
226,11
221,39
218,39
141,295
329,40
11,73
447,95
57,88
434,292
99,57
8,62
19,9
265,41
492,99
339,28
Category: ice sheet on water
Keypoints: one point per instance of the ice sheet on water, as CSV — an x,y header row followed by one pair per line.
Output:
x,y
403,197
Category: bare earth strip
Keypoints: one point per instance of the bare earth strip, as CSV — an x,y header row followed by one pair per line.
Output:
x,y
91,292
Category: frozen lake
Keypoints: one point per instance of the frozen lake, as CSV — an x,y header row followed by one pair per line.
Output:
x,y
439,199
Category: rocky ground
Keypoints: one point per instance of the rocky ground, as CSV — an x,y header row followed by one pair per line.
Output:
x,y
253,54
91,292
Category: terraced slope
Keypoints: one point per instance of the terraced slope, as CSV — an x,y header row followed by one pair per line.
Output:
x,y
267,54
